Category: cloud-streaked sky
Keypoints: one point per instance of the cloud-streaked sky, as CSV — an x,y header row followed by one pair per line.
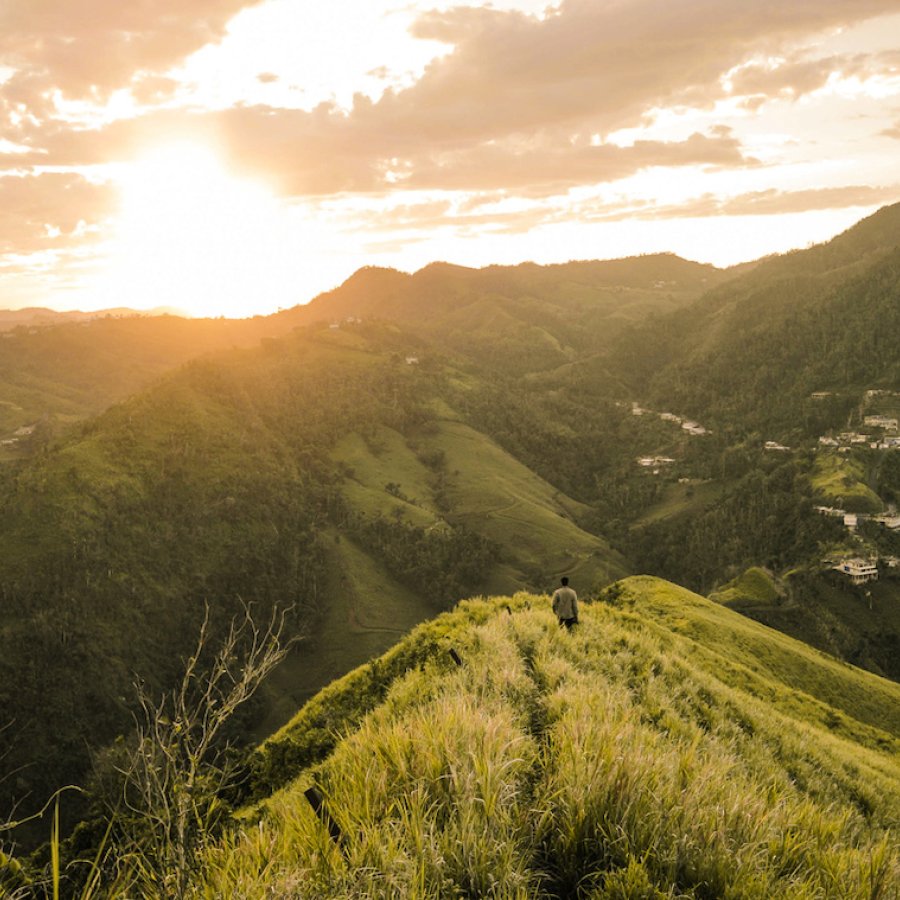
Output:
x,y
236,156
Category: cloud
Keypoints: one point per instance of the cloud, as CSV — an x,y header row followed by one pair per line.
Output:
x,y
606,63
795,77
753,203
522,94
518,103
89,48
51,210
558,165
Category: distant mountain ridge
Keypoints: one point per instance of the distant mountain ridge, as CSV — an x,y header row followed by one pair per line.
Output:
x,y
34,316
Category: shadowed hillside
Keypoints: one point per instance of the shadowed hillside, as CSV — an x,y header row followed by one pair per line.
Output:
x,y
751,352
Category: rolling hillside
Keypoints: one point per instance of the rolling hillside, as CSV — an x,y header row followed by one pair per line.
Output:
x,y
750,353
666,748
58,373
368,474
520,318
369,505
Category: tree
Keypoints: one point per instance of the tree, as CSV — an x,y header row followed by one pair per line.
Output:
x,y
174,772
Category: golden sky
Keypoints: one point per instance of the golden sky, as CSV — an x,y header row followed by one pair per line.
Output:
x,y
231,157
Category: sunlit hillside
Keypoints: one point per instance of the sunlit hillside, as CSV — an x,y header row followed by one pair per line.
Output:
x,y
370,504
666,748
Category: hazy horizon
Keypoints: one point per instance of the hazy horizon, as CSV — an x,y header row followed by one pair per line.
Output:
x,y
231,157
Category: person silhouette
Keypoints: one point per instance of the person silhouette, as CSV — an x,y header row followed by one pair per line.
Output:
x,y
565,604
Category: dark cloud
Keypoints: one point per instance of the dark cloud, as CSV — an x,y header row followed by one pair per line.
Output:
x,y
34,207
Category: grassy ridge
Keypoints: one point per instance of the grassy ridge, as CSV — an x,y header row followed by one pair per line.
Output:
x,y
630,758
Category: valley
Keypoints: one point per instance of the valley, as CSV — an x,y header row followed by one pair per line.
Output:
x,y
406,441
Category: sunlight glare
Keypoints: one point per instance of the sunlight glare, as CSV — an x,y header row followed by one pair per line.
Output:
x,y
192,236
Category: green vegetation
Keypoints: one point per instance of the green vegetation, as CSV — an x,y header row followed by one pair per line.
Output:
x,y
460,432
116,537
755,587
839,480
751,352
54,376
666,748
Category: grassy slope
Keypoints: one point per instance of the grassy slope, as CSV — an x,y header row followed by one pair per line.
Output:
x,y
490,493
667,748
840,480
859,624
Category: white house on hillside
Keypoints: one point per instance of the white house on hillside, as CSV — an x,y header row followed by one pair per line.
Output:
x,y
859,571
885,422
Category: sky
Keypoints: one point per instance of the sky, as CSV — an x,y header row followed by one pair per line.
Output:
x,y
234,157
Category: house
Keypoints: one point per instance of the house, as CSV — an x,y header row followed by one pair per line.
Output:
x,y
670,417
885,422
693,428
889,520
774,445
654,461
859,571
828,442
851,521
820,395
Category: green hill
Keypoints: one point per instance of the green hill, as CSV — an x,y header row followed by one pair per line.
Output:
x,y
750,353
368,504
520,318
667,747
438,435
60,372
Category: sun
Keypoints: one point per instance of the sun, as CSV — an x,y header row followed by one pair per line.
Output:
x,y
189,234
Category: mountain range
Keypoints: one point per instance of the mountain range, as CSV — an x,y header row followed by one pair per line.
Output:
x,y
404,441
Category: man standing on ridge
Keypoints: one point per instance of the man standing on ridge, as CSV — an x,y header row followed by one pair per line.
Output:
x,y
565,604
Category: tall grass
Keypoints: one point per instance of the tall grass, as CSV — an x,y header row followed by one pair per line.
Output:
x,y
600,764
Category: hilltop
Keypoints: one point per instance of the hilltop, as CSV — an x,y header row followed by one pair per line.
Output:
x,y
60,369
667,747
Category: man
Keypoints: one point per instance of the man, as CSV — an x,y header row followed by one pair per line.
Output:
x,y
565,604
